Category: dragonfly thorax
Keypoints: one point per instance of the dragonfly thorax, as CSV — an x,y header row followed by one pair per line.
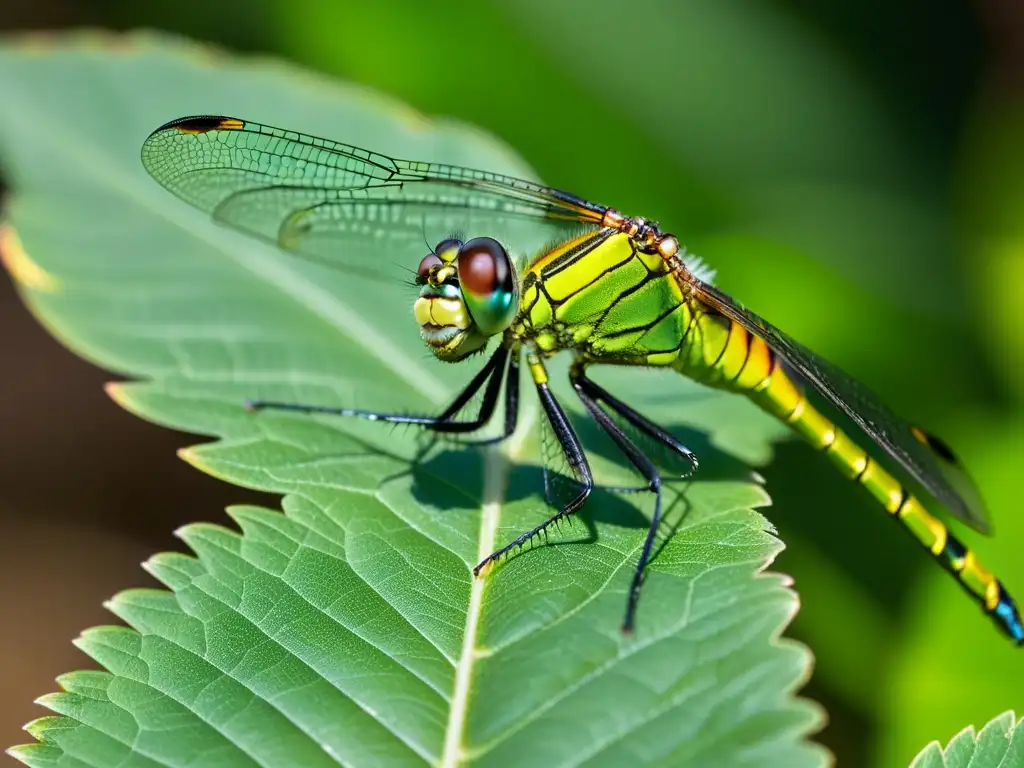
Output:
x,y
469,292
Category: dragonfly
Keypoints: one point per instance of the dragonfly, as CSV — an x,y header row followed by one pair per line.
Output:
x,y
608,289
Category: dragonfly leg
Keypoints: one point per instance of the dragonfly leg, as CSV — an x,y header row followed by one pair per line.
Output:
x,y
576,459
490,374
511,406
643,465
583,383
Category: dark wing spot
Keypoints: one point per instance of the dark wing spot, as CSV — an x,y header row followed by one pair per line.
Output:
x,y
202,124
937,445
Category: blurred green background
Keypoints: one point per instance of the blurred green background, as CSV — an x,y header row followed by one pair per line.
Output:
x,y
855,172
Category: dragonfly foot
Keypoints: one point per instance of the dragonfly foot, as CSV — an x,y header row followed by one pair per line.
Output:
x,y
522,541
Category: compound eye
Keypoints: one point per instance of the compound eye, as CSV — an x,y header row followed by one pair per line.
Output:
x,y
488,284
451,244
430,260
484,267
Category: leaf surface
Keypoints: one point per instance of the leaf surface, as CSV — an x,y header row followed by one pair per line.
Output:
x,y
350,630
1000,744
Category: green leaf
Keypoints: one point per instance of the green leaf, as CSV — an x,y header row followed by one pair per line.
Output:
x,y
999,745
350,629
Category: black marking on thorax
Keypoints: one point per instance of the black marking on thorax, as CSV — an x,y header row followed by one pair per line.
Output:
x,y
574,253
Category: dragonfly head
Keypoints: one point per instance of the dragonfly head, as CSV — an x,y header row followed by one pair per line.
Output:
x,y
468,293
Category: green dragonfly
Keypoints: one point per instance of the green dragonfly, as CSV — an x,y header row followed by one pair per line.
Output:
x,y
609,289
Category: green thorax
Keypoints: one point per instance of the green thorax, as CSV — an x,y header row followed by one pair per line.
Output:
x,y
609,302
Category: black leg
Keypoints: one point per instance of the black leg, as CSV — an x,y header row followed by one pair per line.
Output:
x,y
650,473
491,373
574,456
512,396
511,407
582,383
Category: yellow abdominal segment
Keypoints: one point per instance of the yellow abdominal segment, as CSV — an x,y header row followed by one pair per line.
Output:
x,y
729,357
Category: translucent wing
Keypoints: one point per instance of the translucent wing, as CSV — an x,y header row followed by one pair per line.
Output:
x,y
927,459
328,201
560,484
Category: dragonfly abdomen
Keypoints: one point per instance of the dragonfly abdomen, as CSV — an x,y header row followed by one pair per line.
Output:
x,y
727,356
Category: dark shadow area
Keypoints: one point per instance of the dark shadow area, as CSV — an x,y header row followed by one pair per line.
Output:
x,y
848,732
463,468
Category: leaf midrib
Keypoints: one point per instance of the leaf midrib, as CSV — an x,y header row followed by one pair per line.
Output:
x,y
496,473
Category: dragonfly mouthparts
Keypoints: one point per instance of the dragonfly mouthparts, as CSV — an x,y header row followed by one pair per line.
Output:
x,y
438,335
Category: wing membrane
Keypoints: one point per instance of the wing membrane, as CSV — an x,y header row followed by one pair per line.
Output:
x,y
913,449
339,203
